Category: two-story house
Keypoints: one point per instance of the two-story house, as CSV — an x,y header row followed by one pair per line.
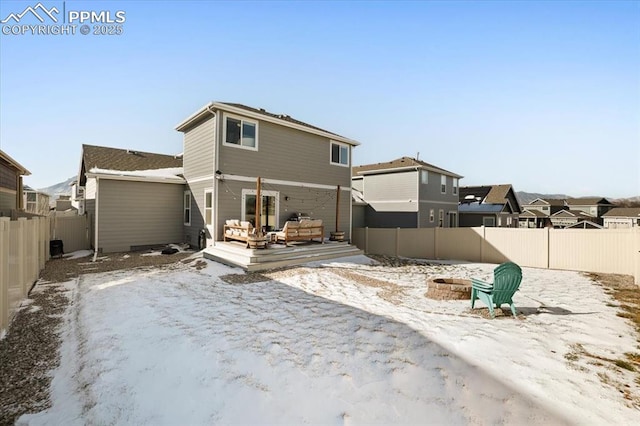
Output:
x,y
563,212
406,193
489,205
11,185
302,169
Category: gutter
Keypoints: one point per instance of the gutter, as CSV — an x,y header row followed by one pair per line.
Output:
x,y
95,248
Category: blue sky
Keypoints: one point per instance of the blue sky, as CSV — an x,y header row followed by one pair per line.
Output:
x,y
542,95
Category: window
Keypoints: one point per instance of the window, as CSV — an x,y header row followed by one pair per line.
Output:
x,y
241,132
339,154
489,221
208,208
424,177
187,208
443,184
509,221
269,208
432,215
441,218
499,220
455,186
453,219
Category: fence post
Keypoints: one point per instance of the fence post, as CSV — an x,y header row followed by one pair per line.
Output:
x,y
637,254
4,272
366,240
483,237
548,247
22,255
397,242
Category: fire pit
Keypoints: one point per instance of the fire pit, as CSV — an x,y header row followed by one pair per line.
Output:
x,y
448,289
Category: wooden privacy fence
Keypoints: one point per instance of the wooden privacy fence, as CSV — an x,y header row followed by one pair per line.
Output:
x,y
24,249
589,250
72,230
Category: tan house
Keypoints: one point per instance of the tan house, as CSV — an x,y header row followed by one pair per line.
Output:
x,y
304,171
622,217
11,185
36,202
133,198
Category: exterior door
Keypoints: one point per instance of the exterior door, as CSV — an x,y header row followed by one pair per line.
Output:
x,y
208,215
269,207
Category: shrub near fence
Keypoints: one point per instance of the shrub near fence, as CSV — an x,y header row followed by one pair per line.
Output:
x,y
588,250
24,249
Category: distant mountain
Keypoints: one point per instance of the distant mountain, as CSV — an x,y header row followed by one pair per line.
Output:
x,y
62,188
527,197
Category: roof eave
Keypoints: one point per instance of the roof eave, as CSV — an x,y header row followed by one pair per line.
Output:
x,y
23,171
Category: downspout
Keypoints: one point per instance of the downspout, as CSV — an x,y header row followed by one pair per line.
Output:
x,y
95,248
214,196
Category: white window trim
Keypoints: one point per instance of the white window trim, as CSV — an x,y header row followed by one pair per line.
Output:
x,y
207,191
441,218
454,188
242,119
184,206
425,174
432,215
443,184
331,143
275,194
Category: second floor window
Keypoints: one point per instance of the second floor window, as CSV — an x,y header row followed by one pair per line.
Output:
x,y
424,177
443,184
455,186
241,132
339,154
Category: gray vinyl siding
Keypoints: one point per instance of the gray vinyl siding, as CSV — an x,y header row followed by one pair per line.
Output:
x,y
197,211
431,191
7,203
199,145
392,187
8,177
138,214
285,154
318,203
425,208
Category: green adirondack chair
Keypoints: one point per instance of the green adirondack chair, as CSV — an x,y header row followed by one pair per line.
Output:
x,y
506,280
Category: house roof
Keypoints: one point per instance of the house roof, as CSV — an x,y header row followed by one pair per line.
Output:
x,y
571,213
623,212
530,213
260,114
587,201
108,161
14,164
400,164
490,194
585,224
557,202
102,157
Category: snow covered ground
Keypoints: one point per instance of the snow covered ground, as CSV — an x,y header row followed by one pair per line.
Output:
x,y
335,342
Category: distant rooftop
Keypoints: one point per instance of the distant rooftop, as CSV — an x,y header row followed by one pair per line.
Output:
x,y
400,163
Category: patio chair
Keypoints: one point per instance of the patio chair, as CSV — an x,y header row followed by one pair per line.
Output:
x,y
506,281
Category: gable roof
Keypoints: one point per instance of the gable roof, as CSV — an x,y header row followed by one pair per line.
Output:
x,y
532,213
5,158
585,224
259,114
587,201
398,165
104,158
623,212
571,213
491,194
556,202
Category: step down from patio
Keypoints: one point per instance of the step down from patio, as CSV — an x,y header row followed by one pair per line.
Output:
x,y
277,255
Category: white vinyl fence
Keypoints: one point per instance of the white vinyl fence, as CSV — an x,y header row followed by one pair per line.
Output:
x,y
588,250
72,230
24,249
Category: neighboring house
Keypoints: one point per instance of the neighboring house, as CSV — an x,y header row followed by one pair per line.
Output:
x,y
533,219
592,209
228,146
584,224
77,197
547,206
11,186
593,206
35,201
566,218
622,217
133,198
407,193
490,205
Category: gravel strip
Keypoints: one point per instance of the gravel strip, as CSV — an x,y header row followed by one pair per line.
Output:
x,y
30,350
